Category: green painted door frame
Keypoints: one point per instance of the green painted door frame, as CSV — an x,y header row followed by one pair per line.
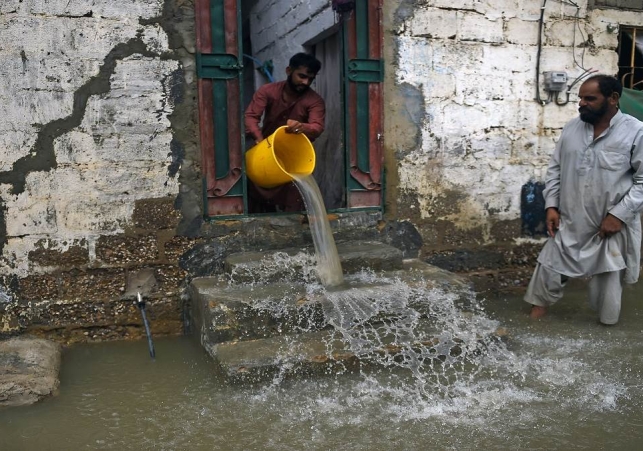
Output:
x,y
219,71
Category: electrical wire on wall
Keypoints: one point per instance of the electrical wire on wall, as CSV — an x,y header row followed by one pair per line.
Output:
x,y
586,72
541,24
577,26
554,95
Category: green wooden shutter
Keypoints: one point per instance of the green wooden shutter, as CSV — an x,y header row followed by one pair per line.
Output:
x,y
363,74
220,118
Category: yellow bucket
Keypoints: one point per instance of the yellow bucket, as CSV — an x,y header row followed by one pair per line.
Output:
x,y
274,161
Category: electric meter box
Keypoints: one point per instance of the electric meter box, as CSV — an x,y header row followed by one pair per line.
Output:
x,y
555,81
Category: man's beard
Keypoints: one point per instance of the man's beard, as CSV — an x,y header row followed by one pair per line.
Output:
x,y
592,116
297,88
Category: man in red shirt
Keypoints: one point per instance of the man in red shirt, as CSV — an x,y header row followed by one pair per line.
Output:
x,y
291,103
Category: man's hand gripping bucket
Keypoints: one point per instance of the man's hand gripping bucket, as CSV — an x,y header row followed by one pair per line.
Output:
x,y
275,160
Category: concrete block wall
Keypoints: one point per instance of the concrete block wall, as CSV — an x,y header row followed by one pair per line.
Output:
x,y
281,28
468,69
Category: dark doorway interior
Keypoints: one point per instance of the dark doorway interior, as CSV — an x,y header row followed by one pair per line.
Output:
x,y
630,59
330,167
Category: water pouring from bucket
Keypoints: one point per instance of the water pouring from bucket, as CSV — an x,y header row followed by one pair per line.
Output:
x,y
287,157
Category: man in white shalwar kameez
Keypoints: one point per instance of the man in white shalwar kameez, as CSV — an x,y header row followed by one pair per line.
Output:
x,y
593,199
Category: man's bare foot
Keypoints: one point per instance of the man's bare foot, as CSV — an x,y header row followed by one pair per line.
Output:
x,y
537,312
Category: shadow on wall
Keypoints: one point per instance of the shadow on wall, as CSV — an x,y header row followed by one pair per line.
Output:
x,y
532,209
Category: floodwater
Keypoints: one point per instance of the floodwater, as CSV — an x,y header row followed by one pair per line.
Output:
x,y
560,383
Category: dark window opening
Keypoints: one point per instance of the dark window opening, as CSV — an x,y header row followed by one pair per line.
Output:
x,y
630,57
621,4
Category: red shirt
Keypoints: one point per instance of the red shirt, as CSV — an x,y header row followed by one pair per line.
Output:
x,y
309,109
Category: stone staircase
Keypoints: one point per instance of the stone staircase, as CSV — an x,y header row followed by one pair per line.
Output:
x,y
261,319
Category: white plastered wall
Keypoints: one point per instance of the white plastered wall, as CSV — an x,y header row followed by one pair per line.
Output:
x,y
118,152
474,62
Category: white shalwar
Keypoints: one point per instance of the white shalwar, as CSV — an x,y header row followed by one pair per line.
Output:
x,y
586,179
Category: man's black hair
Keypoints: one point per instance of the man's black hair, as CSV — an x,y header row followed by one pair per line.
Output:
x,y
305,60
607,84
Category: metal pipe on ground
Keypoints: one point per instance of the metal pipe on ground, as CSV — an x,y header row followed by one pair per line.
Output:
x,y
141,306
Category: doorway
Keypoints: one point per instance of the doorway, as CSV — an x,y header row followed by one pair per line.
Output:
x,y
242,44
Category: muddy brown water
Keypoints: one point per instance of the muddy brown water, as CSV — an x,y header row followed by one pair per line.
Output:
x,y
561,383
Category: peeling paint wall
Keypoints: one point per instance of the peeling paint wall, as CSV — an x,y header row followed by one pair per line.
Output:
x,y
464,132
89,98
88,155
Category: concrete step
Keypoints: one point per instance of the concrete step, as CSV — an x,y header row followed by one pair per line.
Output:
x,y
249,267
323,352
286,355
221,311
264,319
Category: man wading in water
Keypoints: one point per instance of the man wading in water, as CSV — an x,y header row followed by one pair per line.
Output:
x,y
593,199
291,103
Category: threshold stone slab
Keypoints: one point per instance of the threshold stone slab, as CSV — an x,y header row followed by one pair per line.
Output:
x,y
256,360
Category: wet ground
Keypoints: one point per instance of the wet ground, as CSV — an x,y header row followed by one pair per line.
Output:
x,y
560,383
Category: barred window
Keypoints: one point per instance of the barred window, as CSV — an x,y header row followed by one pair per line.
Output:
x,y
630,57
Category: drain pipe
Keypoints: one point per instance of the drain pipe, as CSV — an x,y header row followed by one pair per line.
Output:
x,y
141,306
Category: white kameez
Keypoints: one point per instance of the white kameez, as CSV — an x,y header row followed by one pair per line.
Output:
x,y
587,179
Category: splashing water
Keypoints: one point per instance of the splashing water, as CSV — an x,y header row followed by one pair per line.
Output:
x,y
386,321
426,352
560,384
426,337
